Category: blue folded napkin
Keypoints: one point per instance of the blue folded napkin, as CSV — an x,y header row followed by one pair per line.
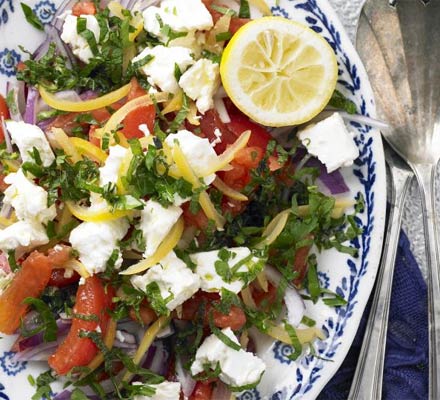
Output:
x,y
406,360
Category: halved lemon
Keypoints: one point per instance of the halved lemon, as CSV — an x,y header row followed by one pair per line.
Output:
x,y
278,72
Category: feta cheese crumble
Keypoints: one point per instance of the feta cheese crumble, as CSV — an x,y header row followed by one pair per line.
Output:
x,y
198,152
26,137
175,280
240,258
164,391
109,172
156,223
200,82
23,236
96,241
79,44
331,142
180,16
28,199
238,367
160,69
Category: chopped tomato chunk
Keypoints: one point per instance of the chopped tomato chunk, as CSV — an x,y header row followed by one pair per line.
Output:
x,y
29,281
140,116
93,300
58,278
235,319
84,8
202,391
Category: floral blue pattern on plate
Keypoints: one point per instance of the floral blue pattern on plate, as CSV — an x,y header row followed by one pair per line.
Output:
x,y
351,278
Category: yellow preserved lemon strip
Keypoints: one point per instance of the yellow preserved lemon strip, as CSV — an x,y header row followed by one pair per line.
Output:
x,y
136,21
4,222
119,115
86,105
306,335
11,165
229,154
123,169
274,228
262,6
77,266
262,281
85,148
146,341
228,191
164,248
174,104
248,300
192,115
109,340
340,206
98,215
204,200
63,141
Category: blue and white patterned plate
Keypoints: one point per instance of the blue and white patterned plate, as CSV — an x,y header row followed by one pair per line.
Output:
x,y
351,278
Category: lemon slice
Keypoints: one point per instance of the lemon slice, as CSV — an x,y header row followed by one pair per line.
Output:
x,y
278,72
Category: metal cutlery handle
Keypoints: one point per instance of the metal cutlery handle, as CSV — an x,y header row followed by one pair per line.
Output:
x,y
367,382
426,177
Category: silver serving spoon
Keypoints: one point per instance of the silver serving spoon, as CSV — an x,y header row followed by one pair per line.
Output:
x,y
400,47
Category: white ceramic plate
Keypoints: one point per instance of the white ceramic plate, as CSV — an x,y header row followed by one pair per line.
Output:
x,y
351,278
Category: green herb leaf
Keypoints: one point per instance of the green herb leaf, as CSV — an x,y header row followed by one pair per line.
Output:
x,y
296,344
31,17
223,36
49,325
339,101
245,11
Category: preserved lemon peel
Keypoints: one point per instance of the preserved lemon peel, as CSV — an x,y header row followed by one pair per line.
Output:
x,y
167,245
189,175
146,341
89,214
85,105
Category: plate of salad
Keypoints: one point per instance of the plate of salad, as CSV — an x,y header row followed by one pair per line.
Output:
x,y
193,199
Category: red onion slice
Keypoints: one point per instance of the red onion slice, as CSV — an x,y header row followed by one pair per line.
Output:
x,y
30,113
185,379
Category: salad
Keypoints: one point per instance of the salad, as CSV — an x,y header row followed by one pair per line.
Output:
x,y
156,220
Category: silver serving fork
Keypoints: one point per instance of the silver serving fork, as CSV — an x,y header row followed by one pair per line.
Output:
x,y
400,47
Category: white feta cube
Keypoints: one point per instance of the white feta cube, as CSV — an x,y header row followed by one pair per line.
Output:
x,y
23,236
198,152
28,199
109,172
200,82
26,137
330,141
240,258
160,69
79,44
180,16
164,391
238,367
174,278
96,241
156,223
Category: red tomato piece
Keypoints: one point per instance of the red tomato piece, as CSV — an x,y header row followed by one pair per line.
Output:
x,y
84,8
4,113
249,157
202,391
92,299
58,279
141,115
29,281
260,295
235,319
199,219
136,90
